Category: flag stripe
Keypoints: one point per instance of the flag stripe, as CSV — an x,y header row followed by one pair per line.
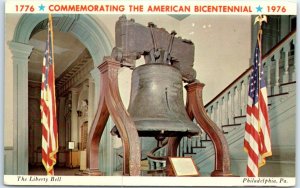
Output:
x,y
257,141
48,106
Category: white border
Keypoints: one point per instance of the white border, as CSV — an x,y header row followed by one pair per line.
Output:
x,y
142,181
146,181
281,7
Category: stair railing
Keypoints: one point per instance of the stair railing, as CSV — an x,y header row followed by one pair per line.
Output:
x,y
280,68
157,157
228,108
230,104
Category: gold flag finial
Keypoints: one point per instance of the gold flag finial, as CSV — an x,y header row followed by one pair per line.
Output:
x,y
260,19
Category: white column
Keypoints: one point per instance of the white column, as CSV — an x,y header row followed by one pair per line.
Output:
x,y
61,130
74,118
95,73
61,122
215,109
91,111
226,110
295,63
245,95
276,86
21,53
67,115
285,77
209,112
239,103
268,78
232,110
220,111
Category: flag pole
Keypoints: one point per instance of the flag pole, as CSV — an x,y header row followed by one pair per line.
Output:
x,y
53,154
260,19
52,39
48,105
257,141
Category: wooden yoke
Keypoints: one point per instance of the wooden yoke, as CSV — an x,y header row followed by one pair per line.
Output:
x,y
110,103
195,109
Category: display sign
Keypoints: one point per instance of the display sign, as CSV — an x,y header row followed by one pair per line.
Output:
x,y
183,166
71,145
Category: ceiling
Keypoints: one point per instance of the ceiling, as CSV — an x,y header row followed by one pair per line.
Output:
x,y
179,16
66,50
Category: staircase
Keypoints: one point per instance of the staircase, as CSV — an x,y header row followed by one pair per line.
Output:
x,y
228,111
157,159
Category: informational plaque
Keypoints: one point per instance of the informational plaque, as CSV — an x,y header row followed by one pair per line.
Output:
x,y
183,166
71,145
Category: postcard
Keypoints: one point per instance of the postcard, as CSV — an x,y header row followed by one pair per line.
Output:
x,y
150,93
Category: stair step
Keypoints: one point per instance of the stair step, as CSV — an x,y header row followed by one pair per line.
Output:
x,y
190,153
231,125
203,144
239,119
287,87
276,95
198,147
242,116
205,140
277,99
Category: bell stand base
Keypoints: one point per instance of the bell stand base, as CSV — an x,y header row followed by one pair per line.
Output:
x,y
90,172
220,173
110,103
195,109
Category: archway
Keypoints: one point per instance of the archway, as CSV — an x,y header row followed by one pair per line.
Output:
x,y
84,28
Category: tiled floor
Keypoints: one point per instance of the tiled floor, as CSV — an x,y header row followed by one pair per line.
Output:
x,y
59,171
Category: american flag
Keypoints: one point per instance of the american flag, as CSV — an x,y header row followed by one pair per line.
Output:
x,y
257,142
48,106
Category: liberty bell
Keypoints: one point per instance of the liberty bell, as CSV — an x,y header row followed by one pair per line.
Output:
x,y
156,102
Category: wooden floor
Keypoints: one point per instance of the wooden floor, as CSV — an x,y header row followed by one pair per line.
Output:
x,y
59,171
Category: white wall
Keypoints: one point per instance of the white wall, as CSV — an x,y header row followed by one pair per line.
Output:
x,y
10,24
222,49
